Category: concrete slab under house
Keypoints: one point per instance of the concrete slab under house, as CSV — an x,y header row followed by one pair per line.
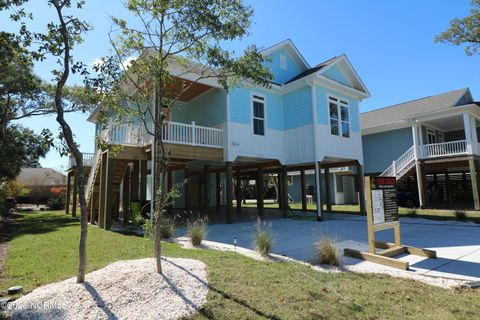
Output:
x,y
242,145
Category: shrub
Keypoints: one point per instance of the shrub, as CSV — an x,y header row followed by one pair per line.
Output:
x,y
197,230
263,239
168,228
56,203
327,252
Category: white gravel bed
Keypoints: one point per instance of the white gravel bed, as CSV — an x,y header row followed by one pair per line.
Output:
x,y
130,289
362,267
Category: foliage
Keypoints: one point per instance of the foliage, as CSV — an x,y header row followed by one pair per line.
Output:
x,y
327,252
263,238
197,230
56,203
465,31
16,189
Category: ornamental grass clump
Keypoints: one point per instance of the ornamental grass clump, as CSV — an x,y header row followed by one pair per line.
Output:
x,y
168,227
197,229
327,252
263,239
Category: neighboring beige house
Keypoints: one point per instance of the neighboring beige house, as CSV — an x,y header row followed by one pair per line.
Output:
x,y
40,181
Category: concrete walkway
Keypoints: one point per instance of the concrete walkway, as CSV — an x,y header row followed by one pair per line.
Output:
x,y
457,243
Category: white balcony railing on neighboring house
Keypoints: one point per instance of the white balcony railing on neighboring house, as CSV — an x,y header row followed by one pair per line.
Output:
x,y
444,149
173,132
87,160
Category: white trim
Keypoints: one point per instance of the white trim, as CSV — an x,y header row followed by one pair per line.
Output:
x,y
253,99
352,92
430,133
339,111
343,58
282,44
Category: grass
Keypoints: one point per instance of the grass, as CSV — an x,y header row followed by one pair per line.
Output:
x,y
240,288
197,230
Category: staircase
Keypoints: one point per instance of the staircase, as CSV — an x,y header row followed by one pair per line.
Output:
x,y
93,184
401,167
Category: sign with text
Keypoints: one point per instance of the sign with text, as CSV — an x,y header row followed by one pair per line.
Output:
x,y
384,199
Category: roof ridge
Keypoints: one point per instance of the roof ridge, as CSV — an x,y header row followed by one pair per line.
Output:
x,y
413,100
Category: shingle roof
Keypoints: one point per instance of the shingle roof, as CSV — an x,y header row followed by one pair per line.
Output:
x,y
41,177
408,109
312,70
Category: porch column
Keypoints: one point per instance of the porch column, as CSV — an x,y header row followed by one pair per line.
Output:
x,y
284,177
169,188
473,126
107,223
360,188
259,187
418,169
468,131
238,188
472,163
126,195
206,174
143,181
74,201
102,194
328,194
67,196
228,191
420,172
448,184
302,190
135,180
318,191
218,189
185,188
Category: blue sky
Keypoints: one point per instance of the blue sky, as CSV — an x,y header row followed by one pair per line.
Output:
x,y
390,44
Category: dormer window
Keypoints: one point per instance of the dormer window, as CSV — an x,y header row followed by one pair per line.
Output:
x,y
339,117
258,105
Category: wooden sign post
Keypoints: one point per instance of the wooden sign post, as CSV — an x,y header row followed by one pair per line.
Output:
x,y
382,214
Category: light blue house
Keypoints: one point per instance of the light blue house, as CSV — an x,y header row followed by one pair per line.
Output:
x,y
430,145
308,119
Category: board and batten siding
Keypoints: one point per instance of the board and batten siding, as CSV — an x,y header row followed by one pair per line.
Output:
x,y
380,149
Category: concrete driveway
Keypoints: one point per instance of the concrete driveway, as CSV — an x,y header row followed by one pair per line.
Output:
x,y
457,243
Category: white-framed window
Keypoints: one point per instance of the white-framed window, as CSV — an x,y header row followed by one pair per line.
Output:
x,y
339,117
258,112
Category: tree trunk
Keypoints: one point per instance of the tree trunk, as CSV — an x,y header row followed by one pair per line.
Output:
x,y
72,146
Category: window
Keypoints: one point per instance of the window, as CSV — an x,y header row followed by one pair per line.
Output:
x,y
431,136
258,115
339,117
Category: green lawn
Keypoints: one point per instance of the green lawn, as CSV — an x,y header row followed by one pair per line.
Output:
x,y
45,250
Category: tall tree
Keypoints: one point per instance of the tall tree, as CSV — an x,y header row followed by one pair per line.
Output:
x,y
188,35
58,41
465,31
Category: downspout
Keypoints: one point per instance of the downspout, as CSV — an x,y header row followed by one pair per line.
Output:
x,y
315,143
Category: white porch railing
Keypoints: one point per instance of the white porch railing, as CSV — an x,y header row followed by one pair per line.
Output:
x,y
173,132
401,165
87,160
444,149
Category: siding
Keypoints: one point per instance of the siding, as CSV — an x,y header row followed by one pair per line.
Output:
x,y
281,75
209,109
298,108
380,149
336,74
